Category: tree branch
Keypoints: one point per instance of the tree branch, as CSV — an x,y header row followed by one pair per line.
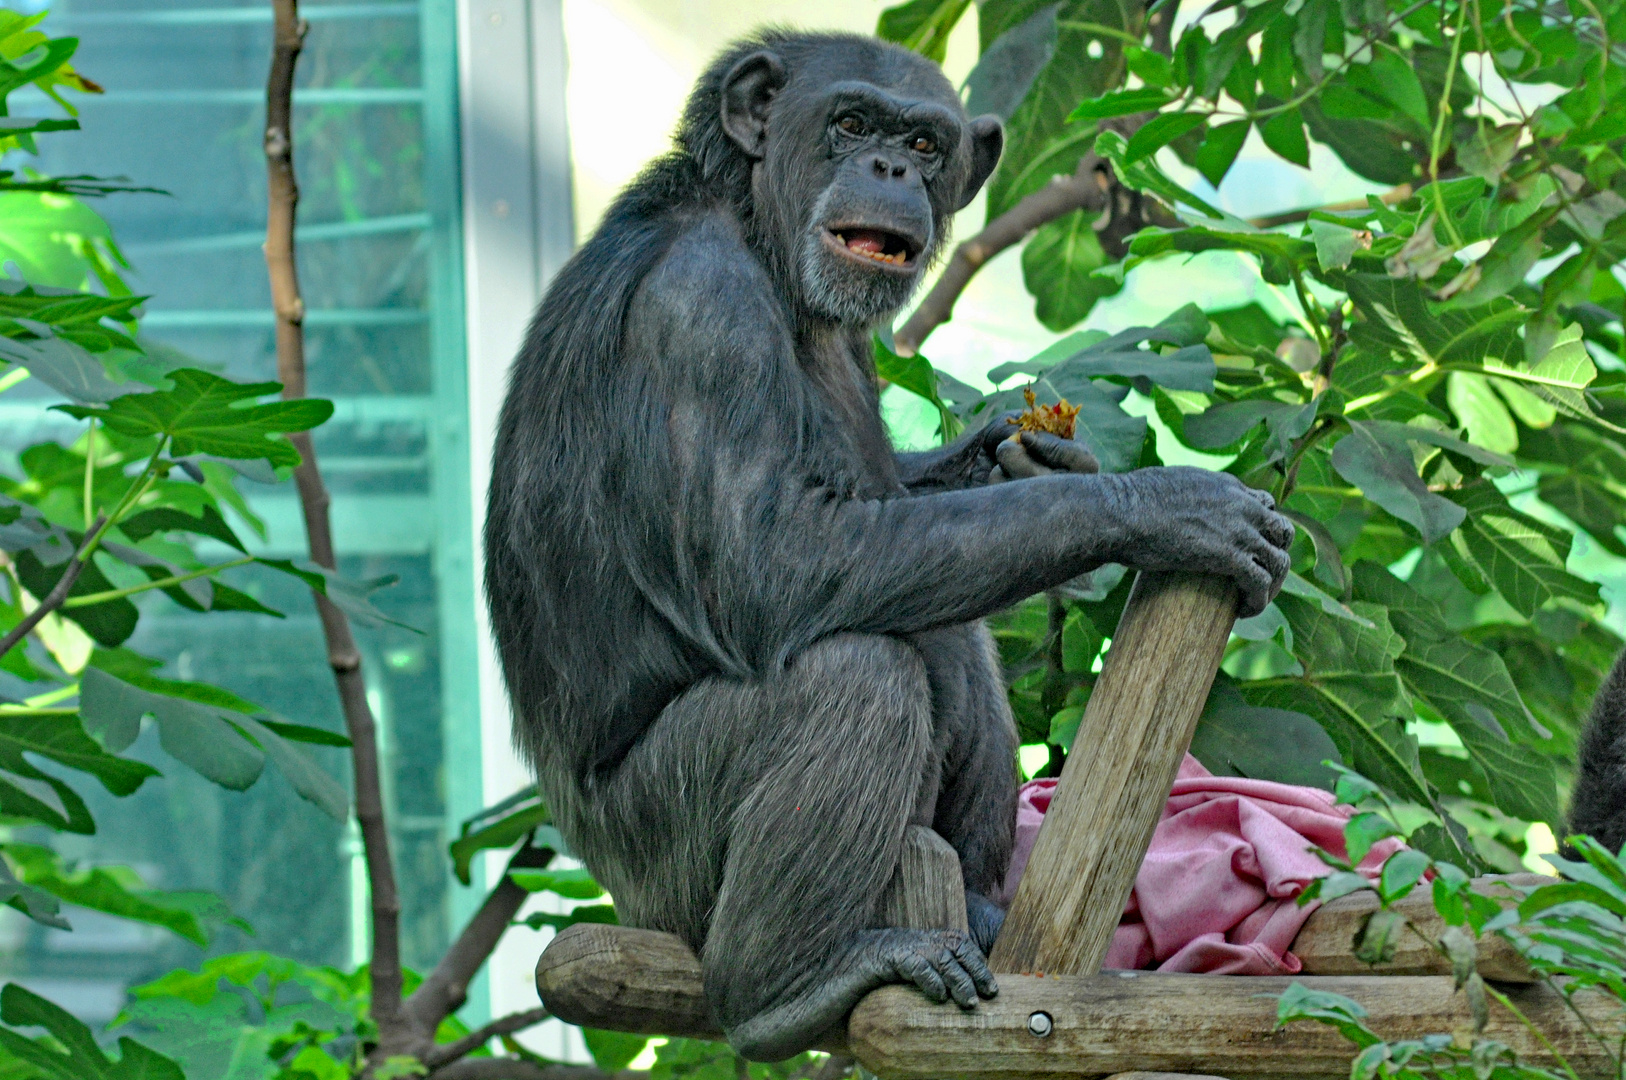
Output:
x,y
507,1025
1084,189
56,597
446,988
343,656
508,1068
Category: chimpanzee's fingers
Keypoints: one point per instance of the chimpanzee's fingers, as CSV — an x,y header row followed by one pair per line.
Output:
x,y
996,475
1018,464
1064,455
915,968
998,430
958,980
971,958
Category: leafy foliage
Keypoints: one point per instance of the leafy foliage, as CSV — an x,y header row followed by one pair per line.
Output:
x,y
1571,932
1436,396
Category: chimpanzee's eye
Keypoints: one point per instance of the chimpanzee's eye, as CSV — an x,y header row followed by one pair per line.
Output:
x,y
924,144
853,125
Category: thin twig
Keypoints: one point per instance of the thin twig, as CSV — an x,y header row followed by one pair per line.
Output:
x,y
343,656
58,594
446,1053
447,986
161,583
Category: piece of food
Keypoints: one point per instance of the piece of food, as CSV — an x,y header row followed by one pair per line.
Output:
x,y
1058,419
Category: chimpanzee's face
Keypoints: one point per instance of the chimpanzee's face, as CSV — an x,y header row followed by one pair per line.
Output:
x,y
863,160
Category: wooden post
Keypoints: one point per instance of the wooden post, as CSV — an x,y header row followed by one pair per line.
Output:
x,y
927,893
1135,730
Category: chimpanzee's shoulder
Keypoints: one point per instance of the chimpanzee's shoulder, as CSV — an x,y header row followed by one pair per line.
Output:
x,y
710,268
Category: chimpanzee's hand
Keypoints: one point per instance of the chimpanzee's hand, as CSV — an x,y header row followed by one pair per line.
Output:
x,y
1018,454
1181,518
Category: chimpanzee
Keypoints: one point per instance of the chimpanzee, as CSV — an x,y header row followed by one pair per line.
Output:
x,y
741,633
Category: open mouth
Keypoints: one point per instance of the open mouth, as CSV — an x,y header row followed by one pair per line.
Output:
x,y
875,245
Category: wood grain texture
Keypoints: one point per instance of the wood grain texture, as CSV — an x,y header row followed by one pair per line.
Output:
x,y
625,979
928,892
1214,1024
1135,730
1325,944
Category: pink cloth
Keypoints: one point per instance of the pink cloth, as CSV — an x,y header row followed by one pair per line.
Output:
x,y
1216,892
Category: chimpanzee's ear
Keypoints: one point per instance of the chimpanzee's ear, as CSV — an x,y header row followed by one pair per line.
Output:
x,y
746,91
987,140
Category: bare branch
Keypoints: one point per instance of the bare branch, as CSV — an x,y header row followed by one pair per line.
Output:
x,y
507,1025
343,656
510,1068
444,991
1082,190
53,599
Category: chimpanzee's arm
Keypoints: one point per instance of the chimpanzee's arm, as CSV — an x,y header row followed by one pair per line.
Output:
x,y
752,547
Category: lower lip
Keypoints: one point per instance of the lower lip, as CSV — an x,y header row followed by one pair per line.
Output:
x,y
833,241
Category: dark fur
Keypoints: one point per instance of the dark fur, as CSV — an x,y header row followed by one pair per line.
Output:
x,y
1598,806
741,635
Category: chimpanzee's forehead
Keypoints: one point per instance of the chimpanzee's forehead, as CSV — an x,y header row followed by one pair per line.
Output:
x,y
900,73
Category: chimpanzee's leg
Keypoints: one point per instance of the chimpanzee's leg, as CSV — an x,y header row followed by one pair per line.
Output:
x,y
763,822
974,751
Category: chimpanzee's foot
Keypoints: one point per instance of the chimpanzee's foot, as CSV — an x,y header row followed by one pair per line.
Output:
x,y
985,918
943,964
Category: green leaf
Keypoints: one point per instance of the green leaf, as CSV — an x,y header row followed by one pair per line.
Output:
x,y
570,884
1159,131
1350,685
27,792
350,597
314,735
922,25
1121,103
1403,870
66,366
500,834
1523,558
613,1050
1235,738
219,741
1446,669
1058,262
198,735
308,779
1284,133
1588,502
1006,69
1560,378
1336,244
165,519
1481,412
1225,423
1144,175
1219,150
1380,463
207,414
118,891
1040,142
72,1053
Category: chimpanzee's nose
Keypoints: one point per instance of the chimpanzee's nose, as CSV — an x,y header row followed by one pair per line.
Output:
x,y
885,167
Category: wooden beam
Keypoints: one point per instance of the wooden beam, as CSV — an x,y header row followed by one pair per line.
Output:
x,y
1081,1025
1135,730
1324,944
625,979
